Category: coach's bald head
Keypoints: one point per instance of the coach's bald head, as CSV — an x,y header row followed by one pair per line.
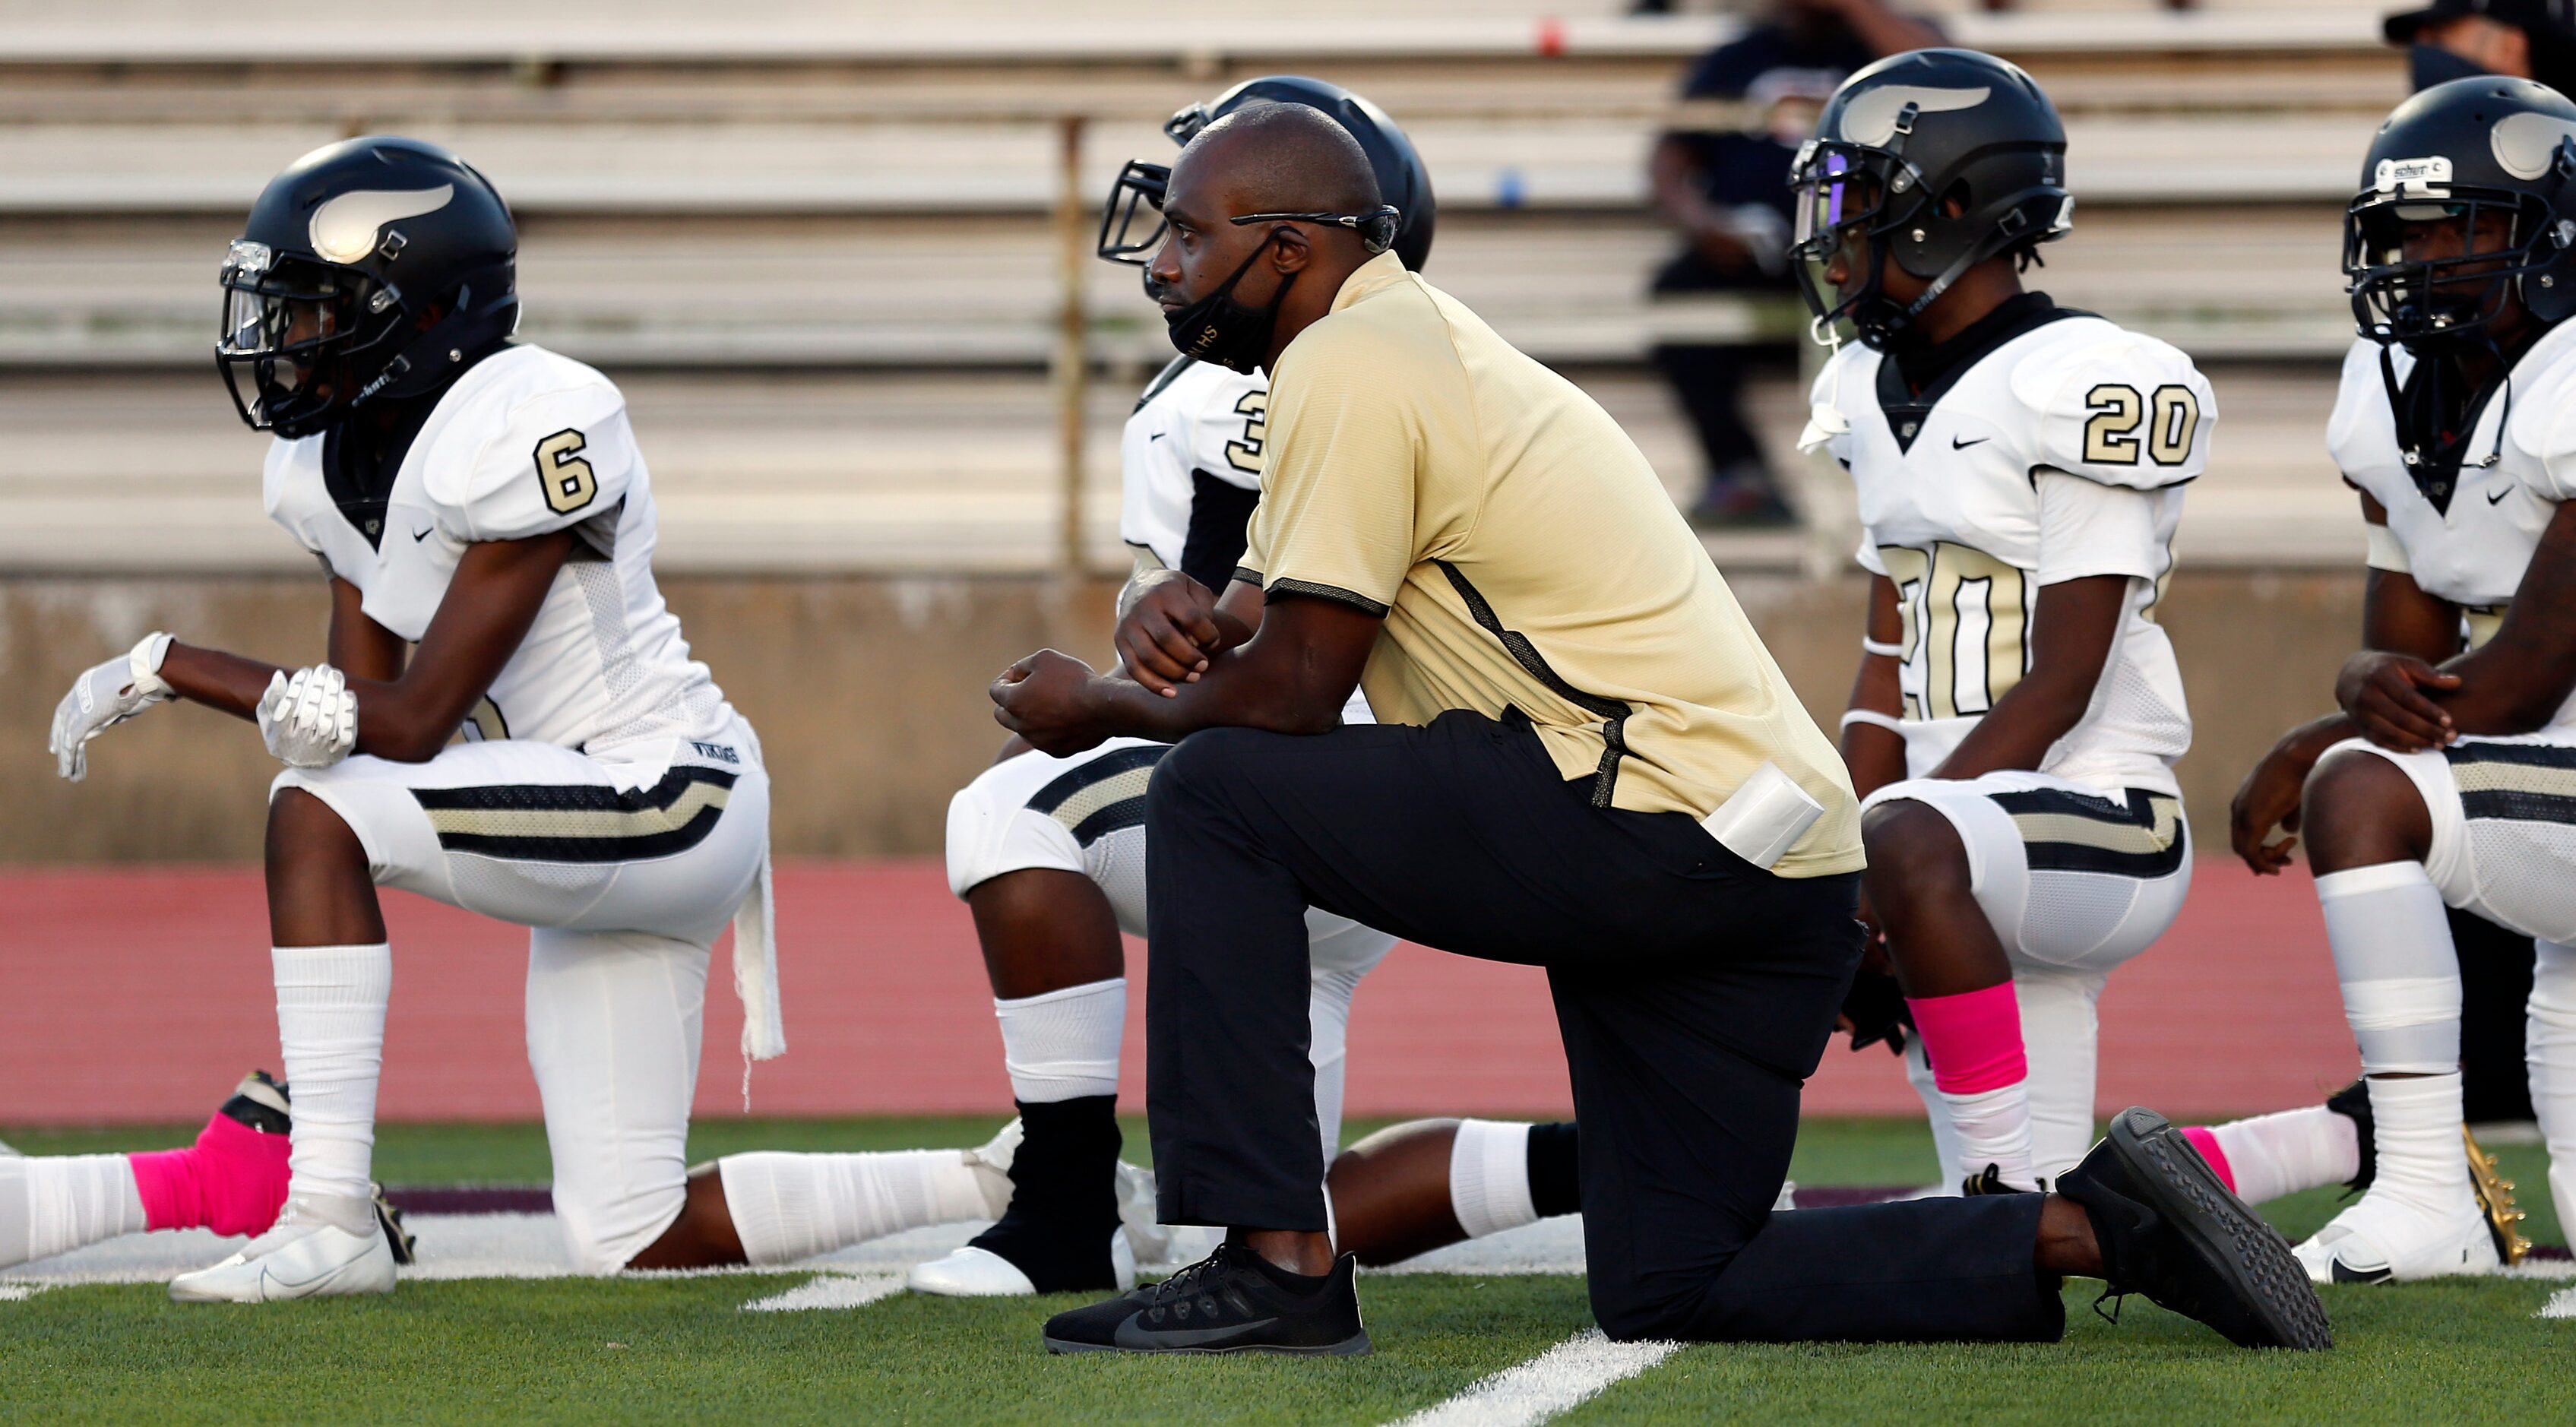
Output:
x,y
1267,158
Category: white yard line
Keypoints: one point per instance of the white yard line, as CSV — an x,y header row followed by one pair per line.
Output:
x,y
1571,1373
830,1290
2561,1304
20,1292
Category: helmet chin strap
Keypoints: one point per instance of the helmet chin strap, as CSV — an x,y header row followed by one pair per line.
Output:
x,y
427,359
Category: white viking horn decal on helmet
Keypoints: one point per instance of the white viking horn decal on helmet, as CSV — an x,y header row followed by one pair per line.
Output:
x,y
2526,144
344,229
1871,118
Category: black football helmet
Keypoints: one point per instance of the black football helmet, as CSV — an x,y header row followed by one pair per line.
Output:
x,y
2494,156
1402,181
1899,144
344,256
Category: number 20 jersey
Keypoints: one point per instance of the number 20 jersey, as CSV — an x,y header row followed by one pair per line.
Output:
x,y
2059,454
524,443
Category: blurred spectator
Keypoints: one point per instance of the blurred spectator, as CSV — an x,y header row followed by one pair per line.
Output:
x,y
1721,177
2454,39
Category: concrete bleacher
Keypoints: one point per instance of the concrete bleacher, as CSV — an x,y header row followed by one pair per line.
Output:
x,y
818,242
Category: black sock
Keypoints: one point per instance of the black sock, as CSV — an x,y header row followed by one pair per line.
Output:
x,y
1555,1170
1064,1196
1288,1279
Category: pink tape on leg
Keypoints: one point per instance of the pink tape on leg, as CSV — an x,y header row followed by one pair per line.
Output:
x,y
233,1180
1973,1039
2205,1140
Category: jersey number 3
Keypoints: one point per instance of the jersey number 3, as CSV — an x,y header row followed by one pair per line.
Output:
x,y
568,480
2171,416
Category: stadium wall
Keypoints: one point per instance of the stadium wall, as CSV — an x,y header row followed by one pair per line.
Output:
x,y
869,692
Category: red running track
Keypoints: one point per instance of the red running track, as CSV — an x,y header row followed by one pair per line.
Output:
x,y
138,995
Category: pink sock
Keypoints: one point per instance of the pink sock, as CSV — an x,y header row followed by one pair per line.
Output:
x,y
2206,1141
1973,1039
233,1180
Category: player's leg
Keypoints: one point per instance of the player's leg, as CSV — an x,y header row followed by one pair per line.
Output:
x,y
1426,1184
334,976
1339,952
2551,1047
2370,820
1957,976
231,1180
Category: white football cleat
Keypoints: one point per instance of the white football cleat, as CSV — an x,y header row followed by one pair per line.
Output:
x,y
971,1272
2380,1240
991,1162
300,1258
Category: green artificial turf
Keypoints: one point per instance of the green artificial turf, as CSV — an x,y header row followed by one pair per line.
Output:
x,y
647,1349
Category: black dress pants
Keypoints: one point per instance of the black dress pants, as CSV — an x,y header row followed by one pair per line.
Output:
x,y
1694,992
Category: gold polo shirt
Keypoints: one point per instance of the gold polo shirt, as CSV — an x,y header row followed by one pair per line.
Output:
x,y
1523,555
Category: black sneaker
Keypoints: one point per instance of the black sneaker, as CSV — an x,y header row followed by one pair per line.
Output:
x,y
1232,1301
1992,1181
2170,1230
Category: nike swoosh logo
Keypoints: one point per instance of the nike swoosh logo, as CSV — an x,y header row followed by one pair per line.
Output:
x,y
1159,435
2346,1275
1958,445
1131,1336
418,536
2498,497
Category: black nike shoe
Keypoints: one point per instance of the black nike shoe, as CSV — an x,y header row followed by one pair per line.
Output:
x,y
1992,1181
261,1104
2170,1230
1232,1301
2353,1103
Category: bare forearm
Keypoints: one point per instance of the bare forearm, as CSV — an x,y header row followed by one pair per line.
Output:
x,y
1127,709
225,682
2026,722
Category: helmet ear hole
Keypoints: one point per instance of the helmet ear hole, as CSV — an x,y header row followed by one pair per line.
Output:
x,y
1955,200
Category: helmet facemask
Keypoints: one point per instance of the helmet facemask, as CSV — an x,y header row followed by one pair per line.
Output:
x,y
1135,204
292,329
2452,297
1845,197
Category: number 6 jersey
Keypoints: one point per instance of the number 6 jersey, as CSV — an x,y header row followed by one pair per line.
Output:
x,y
523,443
2042,444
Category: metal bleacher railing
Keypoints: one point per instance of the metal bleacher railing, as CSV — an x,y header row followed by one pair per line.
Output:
x,y
830,258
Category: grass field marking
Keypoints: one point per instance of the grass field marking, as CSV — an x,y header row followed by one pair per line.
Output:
x,y
830,1290
21,1292
2561,1304
1565,1376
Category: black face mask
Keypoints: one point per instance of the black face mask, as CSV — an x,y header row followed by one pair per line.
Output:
x,y
1218,329
2428,65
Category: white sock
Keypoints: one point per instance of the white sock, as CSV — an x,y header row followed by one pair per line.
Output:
x,y
1489,1188
331,1030
2415,1135
2273,1155
1994,1129
2400,975
1328,1019
2550,1044
788,1207
53,1204
1946,1150
1063,1045
2060,1033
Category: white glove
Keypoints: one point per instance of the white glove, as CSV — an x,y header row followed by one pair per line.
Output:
x,y
104,697
310,720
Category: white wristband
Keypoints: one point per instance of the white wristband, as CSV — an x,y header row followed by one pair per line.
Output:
x,y
145,664
1890,722
1881,646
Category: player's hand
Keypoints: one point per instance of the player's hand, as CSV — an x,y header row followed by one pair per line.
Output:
x,y
309,720
2384,696
1046,699
2269,798
1169,631
103,698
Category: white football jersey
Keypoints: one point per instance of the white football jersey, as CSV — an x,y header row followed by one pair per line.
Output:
x,y
526,442
2473,552
2060,454
1190,465
1190,475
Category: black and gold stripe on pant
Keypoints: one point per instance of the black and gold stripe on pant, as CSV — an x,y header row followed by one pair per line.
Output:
x,y
1102,796
2525,782
540,822
2062,831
